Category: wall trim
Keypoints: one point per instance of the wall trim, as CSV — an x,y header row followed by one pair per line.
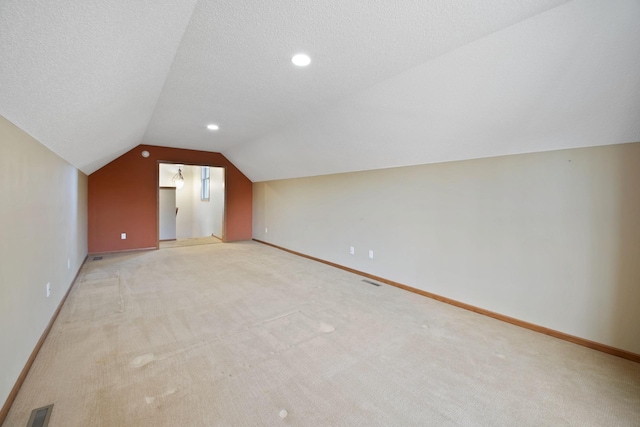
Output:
x,y
23,375
124,251
531,326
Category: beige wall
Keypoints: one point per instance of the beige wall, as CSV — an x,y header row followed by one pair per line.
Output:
x,y
549,238
185,204
217,200
43,224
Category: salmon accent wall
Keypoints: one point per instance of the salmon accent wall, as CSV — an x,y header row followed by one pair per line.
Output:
x,y
123,198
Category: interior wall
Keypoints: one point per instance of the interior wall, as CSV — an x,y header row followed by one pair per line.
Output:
x,y
203,210
123,198
217,200
550,238
185,204
166,172
44,240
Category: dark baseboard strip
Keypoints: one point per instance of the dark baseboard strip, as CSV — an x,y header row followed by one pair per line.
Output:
x,y
23,375
541,329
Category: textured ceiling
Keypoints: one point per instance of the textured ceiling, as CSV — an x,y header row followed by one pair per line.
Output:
x,y
391,83
83,76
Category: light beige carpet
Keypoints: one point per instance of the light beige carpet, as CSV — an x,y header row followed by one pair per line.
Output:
x,y
195,241
246,335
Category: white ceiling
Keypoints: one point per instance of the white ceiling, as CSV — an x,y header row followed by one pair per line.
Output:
x,y
392,82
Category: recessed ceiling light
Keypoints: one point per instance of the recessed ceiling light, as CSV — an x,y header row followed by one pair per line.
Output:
x,y
213,127
301,60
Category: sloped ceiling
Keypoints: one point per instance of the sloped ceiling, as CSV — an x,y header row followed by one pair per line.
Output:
x,y
391,83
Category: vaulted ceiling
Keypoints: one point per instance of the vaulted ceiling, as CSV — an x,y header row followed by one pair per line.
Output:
x,y
391,82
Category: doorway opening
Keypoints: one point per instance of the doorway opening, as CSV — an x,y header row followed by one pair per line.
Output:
x,y
191,205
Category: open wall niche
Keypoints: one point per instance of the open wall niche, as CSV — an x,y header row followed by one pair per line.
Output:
x,y
198,204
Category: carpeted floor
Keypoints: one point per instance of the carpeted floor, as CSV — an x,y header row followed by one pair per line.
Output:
x,y
246,335
195,241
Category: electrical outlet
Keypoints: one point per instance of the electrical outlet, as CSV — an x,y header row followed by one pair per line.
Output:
x,y
48,290
123,236
68,263
371,253
352,250
266,230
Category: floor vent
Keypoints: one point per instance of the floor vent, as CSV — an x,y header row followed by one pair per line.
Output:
x,y
97,258
370,282
40,416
